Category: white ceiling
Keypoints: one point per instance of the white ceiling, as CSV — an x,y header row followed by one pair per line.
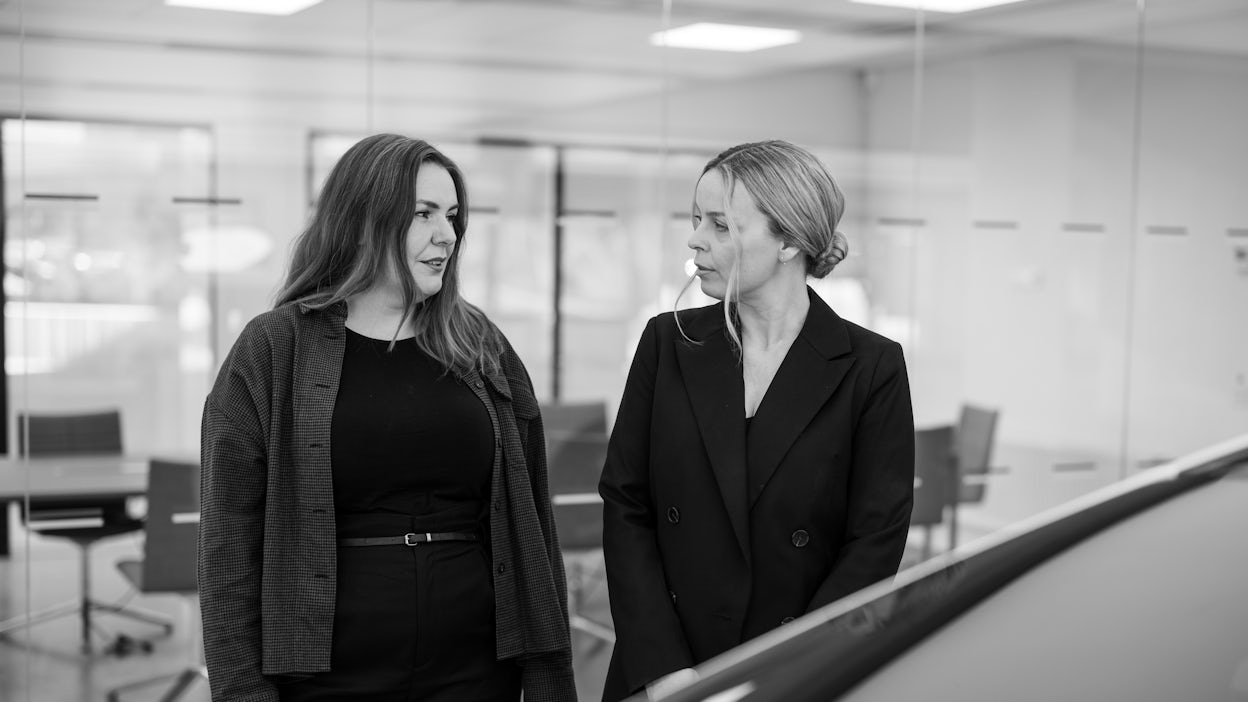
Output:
x,y
485,56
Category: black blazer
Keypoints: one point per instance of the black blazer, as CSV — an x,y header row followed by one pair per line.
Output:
x,y
710,542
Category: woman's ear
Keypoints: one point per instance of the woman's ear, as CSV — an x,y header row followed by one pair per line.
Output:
x,y
787,252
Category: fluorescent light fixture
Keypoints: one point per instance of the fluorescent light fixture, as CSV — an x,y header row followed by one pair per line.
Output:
x,y
939,5
258,7
45,132
725,37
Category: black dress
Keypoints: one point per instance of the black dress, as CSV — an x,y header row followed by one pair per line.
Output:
x,y
412,451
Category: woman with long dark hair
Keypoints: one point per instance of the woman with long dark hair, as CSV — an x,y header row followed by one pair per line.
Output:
x,y
375,518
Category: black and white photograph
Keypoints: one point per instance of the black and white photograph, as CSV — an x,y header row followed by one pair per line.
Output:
x,y
624,350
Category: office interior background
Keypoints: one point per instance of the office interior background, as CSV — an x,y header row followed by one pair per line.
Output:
x,y
1046,200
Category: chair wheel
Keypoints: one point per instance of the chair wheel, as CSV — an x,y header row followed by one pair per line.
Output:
x,y
123,645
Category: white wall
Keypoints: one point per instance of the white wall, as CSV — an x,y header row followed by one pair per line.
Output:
x,y
1082,338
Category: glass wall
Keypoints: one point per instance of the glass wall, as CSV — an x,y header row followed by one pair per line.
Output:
x,y
108,273
1047,194
1044,207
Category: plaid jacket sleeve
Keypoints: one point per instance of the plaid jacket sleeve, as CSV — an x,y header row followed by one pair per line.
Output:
x,y
547,677
231,529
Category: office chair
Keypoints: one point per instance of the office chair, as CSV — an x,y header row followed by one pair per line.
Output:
x,y
972,451
169,559
951,464
934,469
81,520
575,419
574,467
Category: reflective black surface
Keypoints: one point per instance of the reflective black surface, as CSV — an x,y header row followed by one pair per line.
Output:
x,y
829,652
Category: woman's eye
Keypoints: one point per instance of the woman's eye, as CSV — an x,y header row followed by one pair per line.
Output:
x,y
721,227
450,217
423,214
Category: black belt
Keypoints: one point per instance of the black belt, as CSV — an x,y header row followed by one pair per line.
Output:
x,y
409,539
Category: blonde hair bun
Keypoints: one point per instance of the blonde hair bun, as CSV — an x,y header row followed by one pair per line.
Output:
x,y
837,250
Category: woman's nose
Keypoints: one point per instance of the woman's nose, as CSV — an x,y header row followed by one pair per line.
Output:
x,y
445,234
697,242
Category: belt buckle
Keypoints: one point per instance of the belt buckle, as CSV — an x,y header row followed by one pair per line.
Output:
x,y
407,540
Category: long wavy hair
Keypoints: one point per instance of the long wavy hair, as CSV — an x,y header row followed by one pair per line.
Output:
x,y
358,236
799,199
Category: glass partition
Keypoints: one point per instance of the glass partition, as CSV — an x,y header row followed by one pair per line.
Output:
x,y
1188,385
100,311
1018,226
624,223
1043,207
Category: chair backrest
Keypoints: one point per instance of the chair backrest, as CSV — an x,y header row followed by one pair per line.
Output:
x,y
973,442
574,463
575,419
70,434
172,527
574,467
933,473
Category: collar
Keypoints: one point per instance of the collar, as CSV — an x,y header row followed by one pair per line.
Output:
x,y
823,329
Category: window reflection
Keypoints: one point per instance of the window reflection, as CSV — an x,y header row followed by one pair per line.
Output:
x,y
105,283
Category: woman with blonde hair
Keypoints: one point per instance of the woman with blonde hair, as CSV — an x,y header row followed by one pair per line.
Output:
x,y
762,460
375,518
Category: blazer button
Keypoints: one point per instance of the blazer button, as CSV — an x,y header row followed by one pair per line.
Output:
x,y
800,538
786,620
673,515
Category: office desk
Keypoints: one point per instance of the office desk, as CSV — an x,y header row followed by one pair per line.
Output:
x,y
76,476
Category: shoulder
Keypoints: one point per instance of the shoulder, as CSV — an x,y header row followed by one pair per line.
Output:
x,y
519,384
696,323
267,330
509,361
833,336
867,342
882,358
494,337
271,323
269,339
285,323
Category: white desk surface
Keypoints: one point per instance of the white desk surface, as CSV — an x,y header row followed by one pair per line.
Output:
x,y
77,476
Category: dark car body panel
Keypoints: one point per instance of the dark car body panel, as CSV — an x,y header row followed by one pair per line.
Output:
x,y
1064,605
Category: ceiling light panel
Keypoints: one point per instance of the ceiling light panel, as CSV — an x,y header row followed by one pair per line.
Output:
x,y
724,37
939,5
258,7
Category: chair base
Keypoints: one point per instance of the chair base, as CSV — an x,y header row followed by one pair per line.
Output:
x,y
579,580
181,681
85,607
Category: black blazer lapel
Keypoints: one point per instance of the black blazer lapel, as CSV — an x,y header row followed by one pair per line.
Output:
x,y
713,381
810,373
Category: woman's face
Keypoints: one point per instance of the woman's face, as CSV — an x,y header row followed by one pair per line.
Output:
x,y
431,237
714,249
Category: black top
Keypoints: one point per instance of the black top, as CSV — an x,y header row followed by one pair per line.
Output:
x,y
408,442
